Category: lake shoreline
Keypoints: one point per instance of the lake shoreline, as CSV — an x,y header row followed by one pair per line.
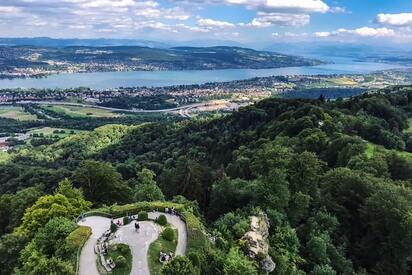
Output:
x,y
113,80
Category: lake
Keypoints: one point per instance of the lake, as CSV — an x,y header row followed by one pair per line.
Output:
x,y
107,80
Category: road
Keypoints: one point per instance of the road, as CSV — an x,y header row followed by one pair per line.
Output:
x,y
172,110
138,242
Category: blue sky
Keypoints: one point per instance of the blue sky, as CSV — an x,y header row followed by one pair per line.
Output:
x,y
245,21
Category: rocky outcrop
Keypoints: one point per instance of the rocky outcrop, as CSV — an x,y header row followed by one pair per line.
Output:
x,y
257,243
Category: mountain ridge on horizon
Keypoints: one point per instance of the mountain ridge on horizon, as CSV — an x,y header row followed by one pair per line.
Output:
x,y
103,42
341,49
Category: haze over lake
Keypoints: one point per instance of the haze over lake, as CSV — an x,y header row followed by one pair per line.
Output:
x,y
108,80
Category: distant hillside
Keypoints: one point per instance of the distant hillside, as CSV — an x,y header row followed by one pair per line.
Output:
x,y
105,42
135,58
61,43
365,53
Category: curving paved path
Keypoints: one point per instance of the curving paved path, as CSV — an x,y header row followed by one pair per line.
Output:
x,y
87,257
176,222
138,242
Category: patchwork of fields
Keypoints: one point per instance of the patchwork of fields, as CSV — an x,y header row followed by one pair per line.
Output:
x,y
17,113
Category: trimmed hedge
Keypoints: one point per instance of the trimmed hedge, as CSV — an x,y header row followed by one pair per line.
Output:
x,y
142,216
78,237
117,211
196,238
76,240
168,234
162,220
121,261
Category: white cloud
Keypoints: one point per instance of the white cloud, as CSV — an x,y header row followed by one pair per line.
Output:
x,y
9,9
258,23
292,6
193,29
265,19
109,3
338,10
322,34
396,20
210,23
360,32
156,13
304,6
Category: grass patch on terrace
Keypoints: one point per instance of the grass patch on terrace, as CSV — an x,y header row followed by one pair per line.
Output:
x,y
17,113
81,112
160,245
124,251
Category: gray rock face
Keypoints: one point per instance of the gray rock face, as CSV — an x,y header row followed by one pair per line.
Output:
x,y
257,241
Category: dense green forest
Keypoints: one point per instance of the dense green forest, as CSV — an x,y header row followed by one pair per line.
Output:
x,y
333,178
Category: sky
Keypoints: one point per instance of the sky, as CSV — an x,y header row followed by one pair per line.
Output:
x,y
244,21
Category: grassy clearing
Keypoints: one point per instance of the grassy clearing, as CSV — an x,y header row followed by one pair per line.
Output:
x,y
81,112
4,157
160,245
370,150
16,113
373,149
51,132
344,81
121,250
409,130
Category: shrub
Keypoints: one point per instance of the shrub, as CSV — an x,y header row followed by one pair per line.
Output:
x,y
142,216
168,234
123,249
180,265
195,258
126,220
121,261
162,220
113,227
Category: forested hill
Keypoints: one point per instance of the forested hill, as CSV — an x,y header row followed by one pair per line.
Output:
x,y
137,58
334,178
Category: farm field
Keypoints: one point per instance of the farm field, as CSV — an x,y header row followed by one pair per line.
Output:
x,y
81,112
17,113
